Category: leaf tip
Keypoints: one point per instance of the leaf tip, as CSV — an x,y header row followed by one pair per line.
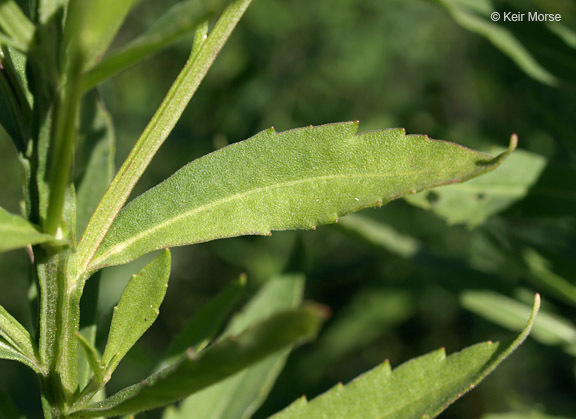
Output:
x,y
513,143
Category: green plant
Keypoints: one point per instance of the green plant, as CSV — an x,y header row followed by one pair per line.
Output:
x,y
75,222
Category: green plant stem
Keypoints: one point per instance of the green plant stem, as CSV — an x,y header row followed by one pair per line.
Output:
x,y
155,134
62,153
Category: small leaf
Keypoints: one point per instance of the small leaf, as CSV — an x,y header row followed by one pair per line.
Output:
x,y
93,357
178,21
473,202
219,361
240,395
16,232
278,181
206,322
10,353
136,310
422,387
15,334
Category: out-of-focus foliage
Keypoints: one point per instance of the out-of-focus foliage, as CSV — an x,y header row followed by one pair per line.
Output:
x,y
387,63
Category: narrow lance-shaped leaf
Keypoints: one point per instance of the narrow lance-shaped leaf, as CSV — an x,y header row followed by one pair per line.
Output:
x,y
155,133
92,357
15,334
278,181
178,21
240,395
16,232
136,310
10,353
420,388
223,359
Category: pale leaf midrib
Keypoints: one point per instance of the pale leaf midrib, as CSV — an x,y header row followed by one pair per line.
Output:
x,y
120,246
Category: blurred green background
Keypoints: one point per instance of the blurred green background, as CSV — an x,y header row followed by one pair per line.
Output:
x,y
402,280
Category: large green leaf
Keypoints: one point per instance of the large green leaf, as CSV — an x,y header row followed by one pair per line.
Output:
x,y
473,202
240,395
179,20
277,181
16,232
225,358
137,309
420,388
203,55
